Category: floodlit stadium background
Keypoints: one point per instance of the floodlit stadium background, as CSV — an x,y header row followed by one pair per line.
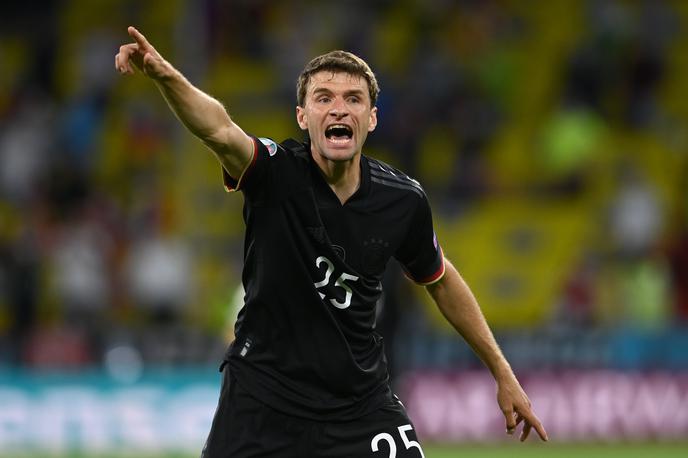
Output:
x,y
551,137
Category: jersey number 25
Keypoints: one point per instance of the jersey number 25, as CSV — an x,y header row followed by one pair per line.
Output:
x,y
339,283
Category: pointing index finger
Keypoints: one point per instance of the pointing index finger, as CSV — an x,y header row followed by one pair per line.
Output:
x,y
138,37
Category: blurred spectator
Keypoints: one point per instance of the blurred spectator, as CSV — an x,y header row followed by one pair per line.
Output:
x,y
637,218
657,25
26,142
79,265
570,140
19,280
160,277
645,292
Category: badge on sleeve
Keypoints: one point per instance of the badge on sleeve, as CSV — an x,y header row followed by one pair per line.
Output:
x,y
270,145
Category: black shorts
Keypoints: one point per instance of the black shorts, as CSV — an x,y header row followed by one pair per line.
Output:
x,y
244,427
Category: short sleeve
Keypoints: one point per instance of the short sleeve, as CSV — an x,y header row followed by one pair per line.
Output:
x,y
420,253
255,171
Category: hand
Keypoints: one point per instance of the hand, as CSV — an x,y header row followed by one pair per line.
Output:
x,y
516,407
143,56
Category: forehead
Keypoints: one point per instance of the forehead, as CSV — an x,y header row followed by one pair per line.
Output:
x,y
342,81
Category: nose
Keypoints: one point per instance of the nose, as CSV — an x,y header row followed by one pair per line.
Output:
x,y
339,108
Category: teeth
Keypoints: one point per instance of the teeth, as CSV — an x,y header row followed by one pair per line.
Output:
x,y
343,128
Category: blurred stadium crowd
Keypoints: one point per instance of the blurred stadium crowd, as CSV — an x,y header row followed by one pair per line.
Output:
x,y
551,138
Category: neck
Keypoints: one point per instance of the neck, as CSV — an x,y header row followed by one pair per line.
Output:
x,y
344,177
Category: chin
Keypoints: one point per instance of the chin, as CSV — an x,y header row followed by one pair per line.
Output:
x,y
339,155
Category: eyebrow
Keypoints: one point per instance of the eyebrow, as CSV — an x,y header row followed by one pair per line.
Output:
x,y
321,90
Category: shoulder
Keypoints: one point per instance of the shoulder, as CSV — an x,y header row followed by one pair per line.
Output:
x,y
390,178
288,148
274,164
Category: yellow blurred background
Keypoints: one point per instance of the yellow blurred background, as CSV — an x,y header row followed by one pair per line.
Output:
x,y
551,137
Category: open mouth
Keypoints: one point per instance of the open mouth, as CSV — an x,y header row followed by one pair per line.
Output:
x,y
339,133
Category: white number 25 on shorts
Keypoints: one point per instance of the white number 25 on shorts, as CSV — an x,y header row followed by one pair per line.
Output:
x,y
409,444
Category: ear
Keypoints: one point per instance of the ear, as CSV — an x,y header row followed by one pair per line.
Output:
x,y
301,118
373,119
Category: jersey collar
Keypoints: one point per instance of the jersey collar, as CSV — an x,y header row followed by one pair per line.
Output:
x,y
325,194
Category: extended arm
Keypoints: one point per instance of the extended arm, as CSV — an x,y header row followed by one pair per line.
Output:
x,y
458,305
204,116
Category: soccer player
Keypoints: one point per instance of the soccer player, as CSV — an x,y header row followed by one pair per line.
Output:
x,y
306,375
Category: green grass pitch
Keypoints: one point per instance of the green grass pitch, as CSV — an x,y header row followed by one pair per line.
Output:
x,y
558,450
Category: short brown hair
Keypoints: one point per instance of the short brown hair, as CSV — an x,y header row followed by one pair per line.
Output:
x,y
337,61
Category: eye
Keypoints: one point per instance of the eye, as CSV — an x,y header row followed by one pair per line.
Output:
x,y
323,99
354,99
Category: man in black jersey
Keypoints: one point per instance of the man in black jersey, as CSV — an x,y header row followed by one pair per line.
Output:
x,y
306,375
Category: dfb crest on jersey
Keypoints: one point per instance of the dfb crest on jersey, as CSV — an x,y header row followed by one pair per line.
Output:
x,y
374,258
270,145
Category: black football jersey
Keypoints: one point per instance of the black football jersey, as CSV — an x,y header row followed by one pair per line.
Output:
x,y
305,339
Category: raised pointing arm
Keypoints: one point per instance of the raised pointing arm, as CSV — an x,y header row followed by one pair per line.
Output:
x,y
458,305
203,115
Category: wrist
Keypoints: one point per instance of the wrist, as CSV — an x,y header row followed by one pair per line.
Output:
x,y
168,76
502,372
